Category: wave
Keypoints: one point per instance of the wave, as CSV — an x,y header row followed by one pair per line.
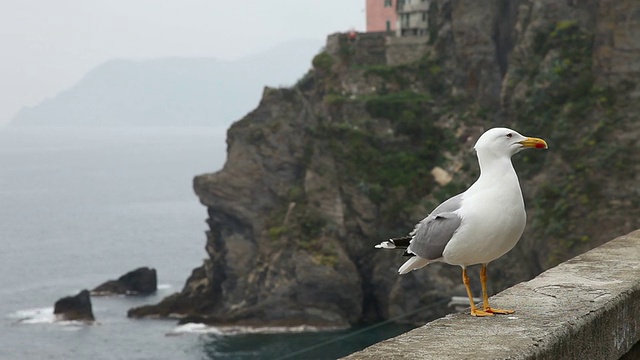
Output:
x,y
193,328
164,286
196,328
34,316
42,316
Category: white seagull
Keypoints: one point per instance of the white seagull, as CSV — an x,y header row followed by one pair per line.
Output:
x,y
479,225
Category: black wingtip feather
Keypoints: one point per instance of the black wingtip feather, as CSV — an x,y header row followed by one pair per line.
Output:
x,y
401,242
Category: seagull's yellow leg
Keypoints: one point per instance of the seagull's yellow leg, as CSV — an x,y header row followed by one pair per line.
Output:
x,y
485,298
474,310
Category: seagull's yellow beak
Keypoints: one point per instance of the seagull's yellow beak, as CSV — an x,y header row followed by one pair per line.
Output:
x,y
534,143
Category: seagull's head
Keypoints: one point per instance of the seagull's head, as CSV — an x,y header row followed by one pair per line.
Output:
x,y
506,142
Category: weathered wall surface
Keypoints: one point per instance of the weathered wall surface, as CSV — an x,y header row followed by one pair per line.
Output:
x,y
585,308
405,50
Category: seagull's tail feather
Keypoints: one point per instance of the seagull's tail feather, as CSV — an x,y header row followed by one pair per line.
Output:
x,y
395,243
414,263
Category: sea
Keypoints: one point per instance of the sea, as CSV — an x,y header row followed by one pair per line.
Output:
x,y
80,206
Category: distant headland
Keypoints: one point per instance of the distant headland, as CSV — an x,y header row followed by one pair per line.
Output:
x,y
171,91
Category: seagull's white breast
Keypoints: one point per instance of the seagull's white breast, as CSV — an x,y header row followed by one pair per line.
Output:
x,y
493,219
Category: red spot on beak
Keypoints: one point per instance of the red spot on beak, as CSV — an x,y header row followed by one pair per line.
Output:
x,y
540,146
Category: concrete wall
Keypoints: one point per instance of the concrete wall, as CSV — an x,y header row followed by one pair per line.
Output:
x,y
377,48
364,49
405,50
585,308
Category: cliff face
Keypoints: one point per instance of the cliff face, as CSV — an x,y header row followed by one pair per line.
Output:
x,y
360,150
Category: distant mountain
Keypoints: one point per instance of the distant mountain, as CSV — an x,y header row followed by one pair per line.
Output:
x,y
171,91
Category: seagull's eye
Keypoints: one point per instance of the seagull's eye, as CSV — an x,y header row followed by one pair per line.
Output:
x,y
509,135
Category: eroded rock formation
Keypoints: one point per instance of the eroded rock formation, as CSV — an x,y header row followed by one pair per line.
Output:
x,y
77,307
141,281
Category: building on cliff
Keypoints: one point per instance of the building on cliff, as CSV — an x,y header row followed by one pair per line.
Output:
x,y
381,15
403,17
413,17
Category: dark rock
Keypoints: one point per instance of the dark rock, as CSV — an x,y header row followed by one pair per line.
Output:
x,y
76,307
141,281
177,306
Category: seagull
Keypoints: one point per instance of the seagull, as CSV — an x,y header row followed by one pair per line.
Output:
x,y
479,225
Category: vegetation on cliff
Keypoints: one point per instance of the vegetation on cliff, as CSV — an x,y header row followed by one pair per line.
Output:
x,y
564,101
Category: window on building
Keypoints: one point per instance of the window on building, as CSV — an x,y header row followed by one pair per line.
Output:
x,y
388,3
388,25
404,20
424,16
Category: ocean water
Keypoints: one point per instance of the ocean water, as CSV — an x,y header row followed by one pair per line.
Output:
x,y
82,206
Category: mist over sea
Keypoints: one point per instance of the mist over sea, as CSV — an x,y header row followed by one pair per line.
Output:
x,y
79,206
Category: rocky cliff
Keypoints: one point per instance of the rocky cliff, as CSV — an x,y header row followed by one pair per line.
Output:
x,y
378,133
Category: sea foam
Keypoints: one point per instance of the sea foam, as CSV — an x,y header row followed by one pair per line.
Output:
x,y
195,328
42,316
164,286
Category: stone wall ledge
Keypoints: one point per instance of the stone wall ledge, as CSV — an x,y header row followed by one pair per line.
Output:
x,y
585,308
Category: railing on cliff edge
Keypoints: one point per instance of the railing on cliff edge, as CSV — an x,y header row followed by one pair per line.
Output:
x,y
585,308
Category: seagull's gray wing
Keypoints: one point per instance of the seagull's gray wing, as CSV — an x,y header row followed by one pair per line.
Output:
x,y
433,233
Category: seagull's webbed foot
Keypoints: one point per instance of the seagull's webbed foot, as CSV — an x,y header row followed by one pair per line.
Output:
x,y
480,313
485,297
498,311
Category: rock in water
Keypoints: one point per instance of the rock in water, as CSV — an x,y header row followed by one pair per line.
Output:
x,y
76,307
141,281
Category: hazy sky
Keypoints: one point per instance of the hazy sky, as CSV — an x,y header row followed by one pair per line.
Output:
x,y
47,45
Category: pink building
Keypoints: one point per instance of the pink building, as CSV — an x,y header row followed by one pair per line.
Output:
x,y
381,15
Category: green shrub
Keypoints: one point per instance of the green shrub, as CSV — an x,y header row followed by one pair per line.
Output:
x,y
390,106
322,61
